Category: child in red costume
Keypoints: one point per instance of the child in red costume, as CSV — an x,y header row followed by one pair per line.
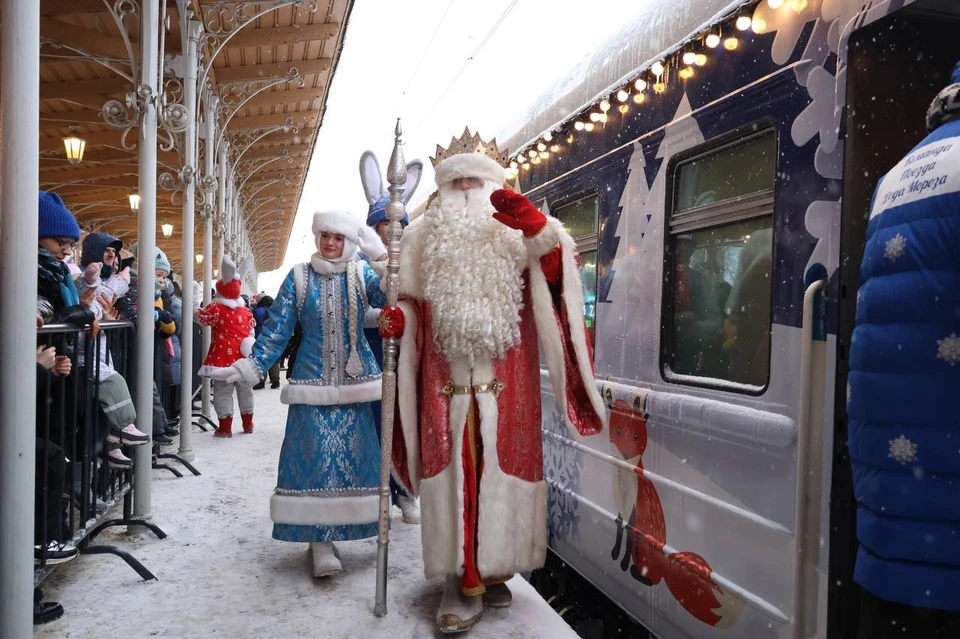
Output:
x,y
231,324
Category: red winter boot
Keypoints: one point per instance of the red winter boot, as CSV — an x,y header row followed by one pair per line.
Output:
x,y
225,429
247,422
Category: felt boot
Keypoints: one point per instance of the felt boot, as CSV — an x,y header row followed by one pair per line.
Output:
x,y
457,612
226,427
247,422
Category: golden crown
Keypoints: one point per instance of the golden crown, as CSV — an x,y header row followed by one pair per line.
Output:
x,y
467,143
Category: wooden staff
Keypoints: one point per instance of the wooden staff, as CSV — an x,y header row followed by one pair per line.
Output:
x,y
397,177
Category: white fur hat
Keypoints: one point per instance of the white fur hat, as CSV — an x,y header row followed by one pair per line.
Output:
x,y
466,165
340,222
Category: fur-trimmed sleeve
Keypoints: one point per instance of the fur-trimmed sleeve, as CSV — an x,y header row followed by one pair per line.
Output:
x,y
558,310
407,467
278,326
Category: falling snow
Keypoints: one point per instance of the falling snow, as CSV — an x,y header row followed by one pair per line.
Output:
x,y
948,349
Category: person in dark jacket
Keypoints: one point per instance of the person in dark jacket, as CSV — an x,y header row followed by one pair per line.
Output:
x,y
260,316
903,388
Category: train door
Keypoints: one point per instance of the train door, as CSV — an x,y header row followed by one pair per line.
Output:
x,y
895,68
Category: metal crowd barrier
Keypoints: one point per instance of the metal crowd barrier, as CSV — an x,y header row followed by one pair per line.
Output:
x,y
75,487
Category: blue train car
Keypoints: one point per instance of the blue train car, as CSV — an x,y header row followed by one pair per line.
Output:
x,y
715,163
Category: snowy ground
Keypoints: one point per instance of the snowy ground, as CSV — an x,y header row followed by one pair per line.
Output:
x,y
220,573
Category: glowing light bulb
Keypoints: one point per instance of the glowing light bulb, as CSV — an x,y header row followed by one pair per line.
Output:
x,y
532,153
604,105
640,84
759,25
730,44
659,87
689,58
544,154
623,108
579,126
686,73
713,40
548,136
639,98
622,95
700,60
513,164
657,68
744,22
595,117
570,139
775,4
541,147
535,160
588,126
525,166
554,148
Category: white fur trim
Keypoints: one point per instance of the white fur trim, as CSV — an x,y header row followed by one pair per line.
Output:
x,y
379,267
544,241
408,376
308,510
323,266
512,526
469,165
246,346
251,376
551,344
441,496
340,222
217,372
229,303
316,395
370,317
411,258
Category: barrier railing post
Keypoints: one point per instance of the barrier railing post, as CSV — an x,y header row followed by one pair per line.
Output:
x,y
147,237
19,177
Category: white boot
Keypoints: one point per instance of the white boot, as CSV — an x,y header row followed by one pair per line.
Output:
x,y
457,611
410,509
325,560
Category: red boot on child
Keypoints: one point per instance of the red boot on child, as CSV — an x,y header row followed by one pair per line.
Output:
x,y
226,427
247,422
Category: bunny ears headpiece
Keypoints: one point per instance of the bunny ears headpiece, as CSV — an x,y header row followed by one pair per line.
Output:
x,y
374,187
231,280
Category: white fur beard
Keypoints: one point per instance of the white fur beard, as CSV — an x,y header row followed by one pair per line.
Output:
x,y
472,272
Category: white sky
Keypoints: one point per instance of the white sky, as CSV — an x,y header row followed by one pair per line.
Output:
x,y
410,60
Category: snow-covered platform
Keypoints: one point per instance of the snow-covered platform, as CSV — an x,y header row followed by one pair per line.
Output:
x,y
221,574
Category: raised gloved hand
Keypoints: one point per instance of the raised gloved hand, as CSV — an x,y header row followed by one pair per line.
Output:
x,y
391,322
370,243
517,212
91,274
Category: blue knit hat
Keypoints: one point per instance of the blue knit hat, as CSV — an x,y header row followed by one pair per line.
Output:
x,y
162,263
378,212
55,219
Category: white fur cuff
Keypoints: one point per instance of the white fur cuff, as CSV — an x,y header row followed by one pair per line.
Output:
x,y
318,395
370,317
251,376
246,346
307,510
544,241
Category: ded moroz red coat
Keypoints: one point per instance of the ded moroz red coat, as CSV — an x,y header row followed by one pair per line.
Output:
x,y
430,424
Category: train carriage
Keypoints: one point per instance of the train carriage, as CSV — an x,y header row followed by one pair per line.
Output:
x,y
715,163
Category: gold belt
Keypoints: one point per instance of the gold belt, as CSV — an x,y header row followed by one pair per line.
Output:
x,y
496,387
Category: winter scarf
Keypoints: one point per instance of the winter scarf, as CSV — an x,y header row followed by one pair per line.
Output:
x,y
53,271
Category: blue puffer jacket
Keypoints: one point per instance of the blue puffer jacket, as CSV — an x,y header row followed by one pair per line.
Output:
x,y
904,384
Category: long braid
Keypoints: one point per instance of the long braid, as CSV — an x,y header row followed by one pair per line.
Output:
x,y
354,367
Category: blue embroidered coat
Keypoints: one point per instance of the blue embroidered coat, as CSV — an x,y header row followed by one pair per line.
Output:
x,y
329,467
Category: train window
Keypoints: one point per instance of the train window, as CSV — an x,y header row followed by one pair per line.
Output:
x,y
717,295
581,218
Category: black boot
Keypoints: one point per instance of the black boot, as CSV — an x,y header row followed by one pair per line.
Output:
x,y
259,386
44,611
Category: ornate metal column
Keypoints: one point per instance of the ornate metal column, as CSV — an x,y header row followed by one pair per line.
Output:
x,y
191,30
209,186
20,158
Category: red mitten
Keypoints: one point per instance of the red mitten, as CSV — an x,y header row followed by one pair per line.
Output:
x,y
517,212
391,322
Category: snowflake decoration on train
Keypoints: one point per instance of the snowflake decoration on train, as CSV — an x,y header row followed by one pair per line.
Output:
x,y
948,349
562,469
895,247
903,450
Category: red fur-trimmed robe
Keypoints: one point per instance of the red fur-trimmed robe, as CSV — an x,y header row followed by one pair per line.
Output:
x,y
476,460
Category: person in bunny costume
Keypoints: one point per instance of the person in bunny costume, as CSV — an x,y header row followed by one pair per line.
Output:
x,y
231,324
329,471
377,197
